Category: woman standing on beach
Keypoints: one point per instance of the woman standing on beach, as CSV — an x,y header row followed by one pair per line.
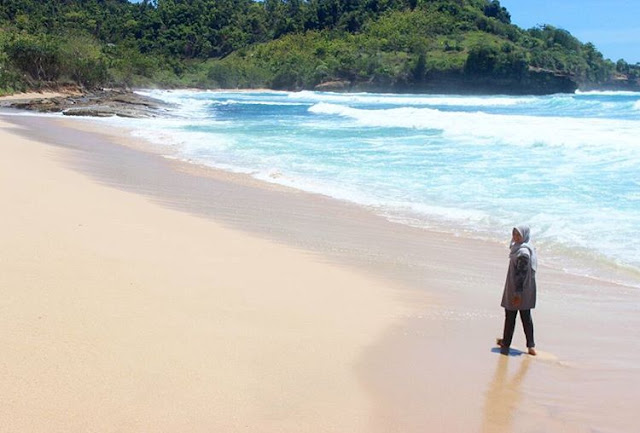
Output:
x,y
519,289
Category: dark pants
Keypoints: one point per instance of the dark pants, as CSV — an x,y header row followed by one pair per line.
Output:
x,y
510,325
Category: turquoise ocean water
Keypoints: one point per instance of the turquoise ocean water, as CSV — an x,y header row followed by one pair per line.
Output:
x,y
568,165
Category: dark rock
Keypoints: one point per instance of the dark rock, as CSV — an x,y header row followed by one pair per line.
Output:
x,y
615,84
456,82
333,85
103,103
91,112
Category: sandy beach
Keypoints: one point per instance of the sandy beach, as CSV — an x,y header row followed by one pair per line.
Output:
x,y
121,315
140,294
30,96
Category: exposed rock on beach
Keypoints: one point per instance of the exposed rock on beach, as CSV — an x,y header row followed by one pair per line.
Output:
x,y
101,103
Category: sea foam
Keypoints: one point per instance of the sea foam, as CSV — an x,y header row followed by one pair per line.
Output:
x,y
567,164
408,100
483,127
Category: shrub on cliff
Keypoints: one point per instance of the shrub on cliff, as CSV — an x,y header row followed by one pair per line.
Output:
x,y
10,79
38,57
83,61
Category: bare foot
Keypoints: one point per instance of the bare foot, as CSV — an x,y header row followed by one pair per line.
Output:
x,y
532,351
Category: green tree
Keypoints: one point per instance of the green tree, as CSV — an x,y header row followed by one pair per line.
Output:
x,y
37,56
495,10
482,60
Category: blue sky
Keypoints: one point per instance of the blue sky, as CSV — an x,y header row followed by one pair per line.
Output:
x,y
613,26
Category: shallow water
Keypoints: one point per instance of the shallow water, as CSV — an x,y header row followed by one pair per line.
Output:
x,y
568,165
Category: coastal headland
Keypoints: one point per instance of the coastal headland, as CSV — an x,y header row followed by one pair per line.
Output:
x,y
397,46
146,294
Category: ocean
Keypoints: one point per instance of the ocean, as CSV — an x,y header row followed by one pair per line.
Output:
x,y
568,165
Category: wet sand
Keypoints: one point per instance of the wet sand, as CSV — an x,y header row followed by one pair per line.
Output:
x,y
421,360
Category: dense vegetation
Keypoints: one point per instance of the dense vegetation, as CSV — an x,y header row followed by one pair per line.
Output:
x,y
431,45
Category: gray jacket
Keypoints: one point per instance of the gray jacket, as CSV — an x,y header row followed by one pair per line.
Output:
x,y
521,281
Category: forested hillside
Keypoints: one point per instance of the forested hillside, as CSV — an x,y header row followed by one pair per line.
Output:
x,y
383,45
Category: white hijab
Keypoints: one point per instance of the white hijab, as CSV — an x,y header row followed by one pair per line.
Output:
x,y
525,232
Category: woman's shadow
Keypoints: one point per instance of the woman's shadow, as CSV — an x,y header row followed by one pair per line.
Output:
x,y
510,351
504,395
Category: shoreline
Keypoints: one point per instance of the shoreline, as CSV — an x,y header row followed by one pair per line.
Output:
x,y
186,169
454,296
582,263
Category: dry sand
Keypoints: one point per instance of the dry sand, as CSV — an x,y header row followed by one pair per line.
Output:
x,y
31,95
117,314
137,296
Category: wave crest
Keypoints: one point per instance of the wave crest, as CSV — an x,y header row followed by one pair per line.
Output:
x,y
478,127
411,100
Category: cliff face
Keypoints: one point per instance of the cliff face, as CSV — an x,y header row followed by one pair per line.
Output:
x,y
532,83
620,83
454,82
